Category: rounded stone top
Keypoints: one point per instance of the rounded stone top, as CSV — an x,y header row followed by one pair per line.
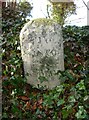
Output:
x,y
39,23
44,21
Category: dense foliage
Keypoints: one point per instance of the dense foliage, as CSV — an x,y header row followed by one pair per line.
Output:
x,y
61,10
79,37
69,100
12,22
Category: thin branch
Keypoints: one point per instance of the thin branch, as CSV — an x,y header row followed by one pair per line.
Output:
x,y
85,4
43,13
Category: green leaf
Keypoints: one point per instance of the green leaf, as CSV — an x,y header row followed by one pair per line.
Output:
x,y
65,113
60,102
69,75
71,99
4,115
15,109
81,114
81,85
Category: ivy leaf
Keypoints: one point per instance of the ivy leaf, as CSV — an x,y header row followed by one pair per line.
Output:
x,y
60,102
81,85
65,113
69,75
81,114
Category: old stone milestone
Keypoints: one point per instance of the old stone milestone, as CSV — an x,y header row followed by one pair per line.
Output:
x,y
42,52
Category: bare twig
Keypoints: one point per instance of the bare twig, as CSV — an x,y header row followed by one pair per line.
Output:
x,y
85,4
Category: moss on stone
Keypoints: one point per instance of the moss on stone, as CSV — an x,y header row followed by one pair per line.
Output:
x,y
43,21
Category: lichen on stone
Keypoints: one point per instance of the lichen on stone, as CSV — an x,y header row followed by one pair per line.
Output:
x,y
42,51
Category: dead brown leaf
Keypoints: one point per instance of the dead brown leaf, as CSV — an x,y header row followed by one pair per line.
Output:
x,y
24,98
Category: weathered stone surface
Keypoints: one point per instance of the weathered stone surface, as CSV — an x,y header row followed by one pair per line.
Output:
x,y
42,52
